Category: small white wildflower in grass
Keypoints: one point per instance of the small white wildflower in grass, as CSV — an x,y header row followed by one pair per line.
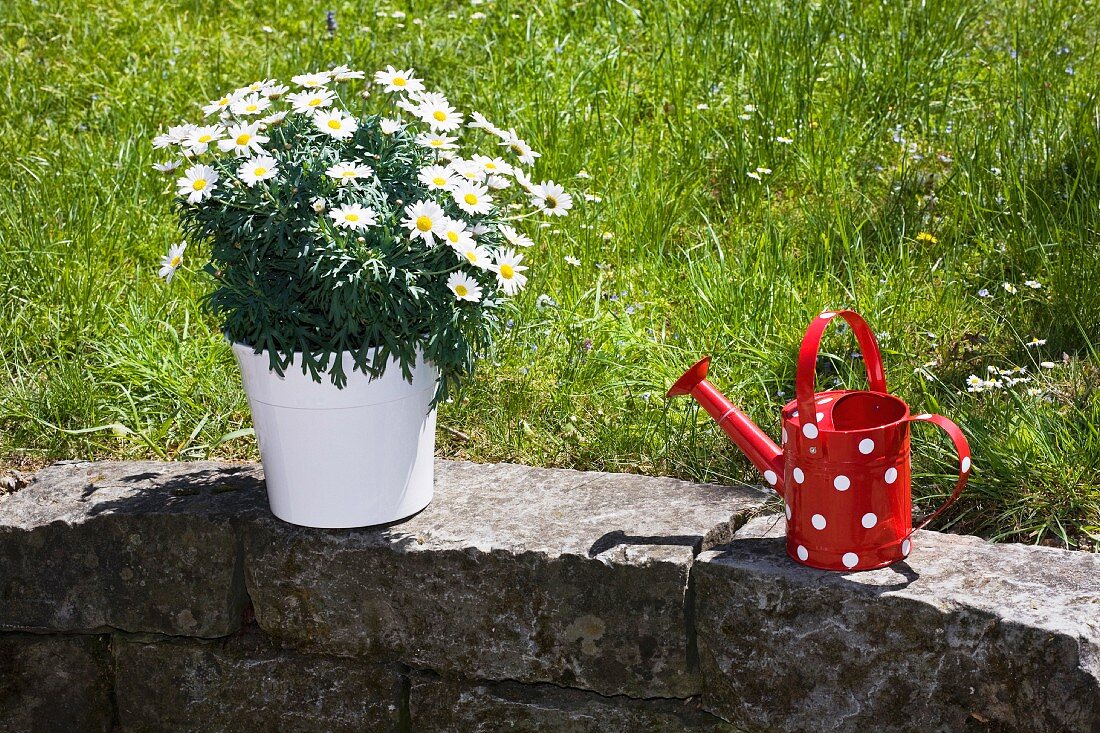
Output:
x,y
764,171
474,254
439,115
472,198
753,174
318,204
514,237
436,142
336,123
197,183
175,136
424,219
1035,342
200,138
582,174
316,79
395,80
1009,287
593,198
493,166
220,105
509,271
784,140
348,172
703,106
1047,364
519,148
172,261
750,107
243,139
353,216
257,169
310,100
573,261
608,236
1033,284
478,120
1035,392
253,104
389,126
436,177
167,167
344,73
551,199
464,287
267,29
455,233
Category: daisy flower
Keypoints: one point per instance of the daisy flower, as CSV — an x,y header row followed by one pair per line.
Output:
x,y
436,142
478,121
389,126
551,198
343,73
522,179
310,100
509,271
220,105
1035,342
316,79
1009,287
255,86
439,116
475,254
1033,284
493,166
175,136
353,216
257,169
253,104
515,238
200,138
398,81
274,90
573,261
172,261
197,183
497,182
424,219
437,177
472,198
167,167
336,123
519,148
274,118
455,234
244,139
464,287
468,170
348,172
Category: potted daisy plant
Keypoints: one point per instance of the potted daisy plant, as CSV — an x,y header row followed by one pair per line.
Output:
x,y
359,247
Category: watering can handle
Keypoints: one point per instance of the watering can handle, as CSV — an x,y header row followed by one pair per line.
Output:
x,y
962,448
807,363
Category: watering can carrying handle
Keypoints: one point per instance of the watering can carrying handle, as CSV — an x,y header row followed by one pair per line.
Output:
x,y
962,448
807,363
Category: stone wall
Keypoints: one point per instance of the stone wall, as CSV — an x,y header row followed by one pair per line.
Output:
x,y
164,597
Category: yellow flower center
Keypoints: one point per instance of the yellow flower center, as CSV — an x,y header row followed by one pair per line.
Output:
x,y
259,171
423,223
439,181
440,115
348,174
472,257
205,138
314,102
490,166
453,236
399,81
471,199
352,217
223,102
334,124
243,138
461,290
176,261
436,143
199,184
507,272
251,108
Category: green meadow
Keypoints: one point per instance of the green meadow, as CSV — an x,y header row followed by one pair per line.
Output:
x,y
737,167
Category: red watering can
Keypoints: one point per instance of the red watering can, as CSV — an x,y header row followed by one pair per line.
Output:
x,y
843,471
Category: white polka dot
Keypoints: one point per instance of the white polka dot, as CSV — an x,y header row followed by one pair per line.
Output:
x,y
905,546
891,475
798,475
841,483
802,552
770,477
827,314
850,559
820,416
866,446
817,521
787,511
870,519
783,439
966,464
809,430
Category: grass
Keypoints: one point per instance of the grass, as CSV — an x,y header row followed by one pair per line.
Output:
x,y
972,121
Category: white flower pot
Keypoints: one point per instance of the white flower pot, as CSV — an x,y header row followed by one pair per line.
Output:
x,y
350,457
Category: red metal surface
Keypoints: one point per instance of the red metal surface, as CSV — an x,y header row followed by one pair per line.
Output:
x,y
843,469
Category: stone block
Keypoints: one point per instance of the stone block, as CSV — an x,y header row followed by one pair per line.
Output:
x,y
141,547
964,635
445,706
246,683
55,683
577,579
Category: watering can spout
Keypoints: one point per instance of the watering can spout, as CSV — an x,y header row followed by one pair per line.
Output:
x,y
754,442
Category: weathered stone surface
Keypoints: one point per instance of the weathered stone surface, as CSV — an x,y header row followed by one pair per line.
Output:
x,y
445,706
245,683
963,636
512,572
54,683
145,547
